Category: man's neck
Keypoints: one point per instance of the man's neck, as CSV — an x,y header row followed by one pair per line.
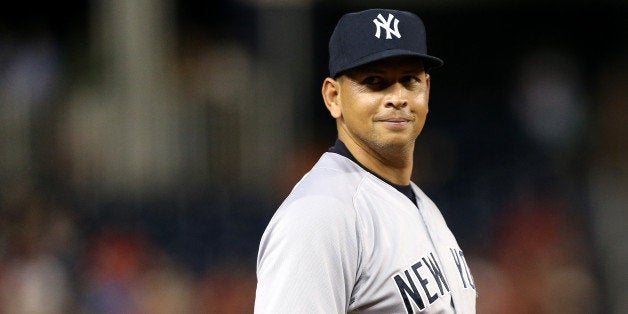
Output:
x,y
394,166
341,149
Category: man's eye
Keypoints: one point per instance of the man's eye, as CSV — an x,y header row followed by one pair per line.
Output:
x,y
410,79
373,80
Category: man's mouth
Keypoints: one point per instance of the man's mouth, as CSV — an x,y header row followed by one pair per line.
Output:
x,y
396,120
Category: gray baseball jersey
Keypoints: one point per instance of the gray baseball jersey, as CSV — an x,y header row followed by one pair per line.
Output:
x,y
346,241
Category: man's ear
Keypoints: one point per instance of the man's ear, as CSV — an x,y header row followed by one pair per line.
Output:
x,y
427,81
427,87
331,92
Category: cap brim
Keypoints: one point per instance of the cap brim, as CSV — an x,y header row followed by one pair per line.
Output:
x,y
429,62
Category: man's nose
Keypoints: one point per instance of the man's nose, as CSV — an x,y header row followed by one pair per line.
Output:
x,y
397,96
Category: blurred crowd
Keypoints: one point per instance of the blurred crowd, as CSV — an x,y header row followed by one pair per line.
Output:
x,y
55,261
136,184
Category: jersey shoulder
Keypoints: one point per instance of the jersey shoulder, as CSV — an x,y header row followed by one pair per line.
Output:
x,y
326,191
332,176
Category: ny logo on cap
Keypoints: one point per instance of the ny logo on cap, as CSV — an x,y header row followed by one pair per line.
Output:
x,y
383,23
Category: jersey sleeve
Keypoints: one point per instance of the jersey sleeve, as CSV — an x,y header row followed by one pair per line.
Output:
x,y
308,258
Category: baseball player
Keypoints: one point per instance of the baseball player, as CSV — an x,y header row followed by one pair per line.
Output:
x,y
355,234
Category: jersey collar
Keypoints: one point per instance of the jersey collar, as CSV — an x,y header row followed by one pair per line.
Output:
x,y
341,149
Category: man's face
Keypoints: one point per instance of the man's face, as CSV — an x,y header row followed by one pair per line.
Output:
x,y
382,106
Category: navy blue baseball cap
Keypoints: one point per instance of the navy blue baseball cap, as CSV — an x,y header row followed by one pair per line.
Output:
x,y
366,36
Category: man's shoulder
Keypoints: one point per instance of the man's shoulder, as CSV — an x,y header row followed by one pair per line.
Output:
x,y
326,190
333,176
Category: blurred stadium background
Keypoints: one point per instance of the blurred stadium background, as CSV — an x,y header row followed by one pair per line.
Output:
x,y
145,144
